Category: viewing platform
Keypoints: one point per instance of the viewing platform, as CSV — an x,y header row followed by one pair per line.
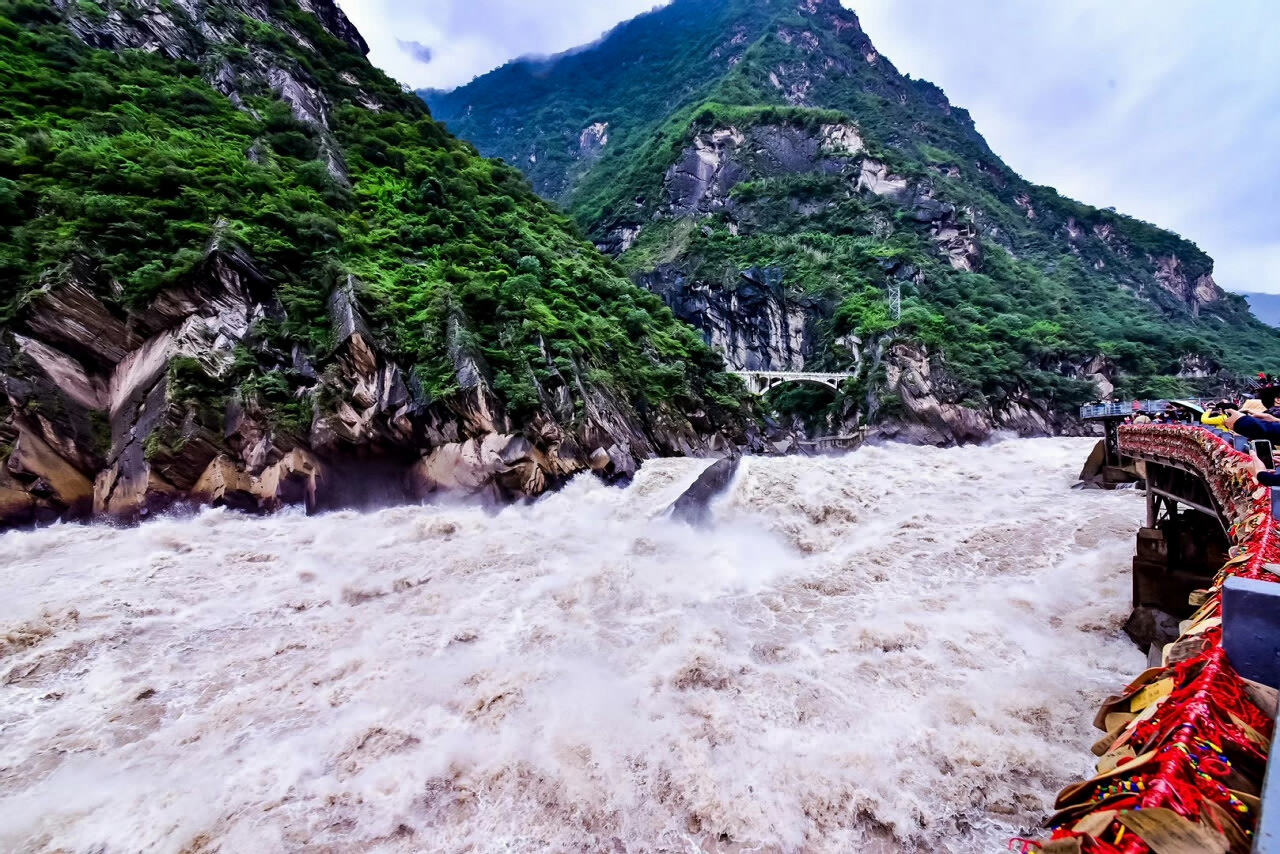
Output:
x,y
1122,410
1183,763
1111,467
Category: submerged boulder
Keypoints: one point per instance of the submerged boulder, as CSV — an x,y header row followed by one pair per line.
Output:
x,y
694,506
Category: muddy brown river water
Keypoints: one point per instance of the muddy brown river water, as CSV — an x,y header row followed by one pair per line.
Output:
x,y
896,650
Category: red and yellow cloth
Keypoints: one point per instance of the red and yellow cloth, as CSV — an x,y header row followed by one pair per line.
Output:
x,y
1183,760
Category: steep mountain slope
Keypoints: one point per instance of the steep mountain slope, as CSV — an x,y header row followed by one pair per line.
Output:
x,y
767,171
235,259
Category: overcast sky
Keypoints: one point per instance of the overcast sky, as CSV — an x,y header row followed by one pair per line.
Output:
x,y
1168,110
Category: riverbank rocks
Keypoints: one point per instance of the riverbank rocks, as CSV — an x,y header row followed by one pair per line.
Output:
x,y
498,467
927,419
224,485
17,503
191,400
297,479
49,477
1151,627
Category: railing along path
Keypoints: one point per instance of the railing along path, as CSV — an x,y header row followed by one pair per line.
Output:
x,y
1187,742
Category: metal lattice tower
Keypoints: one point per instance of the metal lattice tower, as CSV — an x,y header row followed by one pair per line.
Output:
x,y
895,301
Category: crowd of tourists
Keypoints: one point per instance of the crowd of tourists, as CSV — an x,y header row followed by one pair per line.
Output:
x,y
1174,416
1256,418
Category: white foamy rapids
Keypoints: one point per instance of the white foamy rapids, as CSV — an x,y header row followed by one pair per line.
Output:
x,y
896,650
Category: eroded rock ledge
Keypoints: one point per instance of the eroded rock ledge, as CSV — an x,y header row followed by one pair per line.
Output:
x,y
109,413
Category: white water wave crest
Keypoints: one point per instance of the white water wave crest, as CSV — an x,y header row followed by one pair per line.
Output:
x,y
896,650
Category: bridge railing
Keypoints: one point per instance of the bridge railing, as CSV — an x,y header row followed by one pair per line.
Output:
x,y
1135,407
759,382
1119,410
794,375
1196,697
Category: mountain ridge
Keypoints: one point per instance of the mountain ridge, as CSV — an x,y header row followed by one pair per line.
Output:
x,y
745,19
673,143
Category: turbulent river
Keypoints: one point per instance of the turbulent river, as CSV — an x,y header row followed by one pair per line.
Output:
x,y
897,650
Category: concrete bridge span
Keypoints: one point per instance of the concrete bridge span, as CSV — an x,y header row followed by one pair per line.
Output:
x,y
762,382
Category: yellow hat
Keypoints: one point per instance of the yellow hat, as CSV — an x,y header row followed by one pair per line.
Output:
x,y
1253,407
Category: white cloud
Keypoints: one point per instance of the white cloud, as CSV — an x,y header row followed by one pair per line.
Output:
x,y
470,37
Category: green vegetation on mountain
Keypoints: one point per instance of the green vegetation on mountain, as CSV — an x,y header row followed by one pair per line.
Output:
x,y
648,70
128,164
1017,291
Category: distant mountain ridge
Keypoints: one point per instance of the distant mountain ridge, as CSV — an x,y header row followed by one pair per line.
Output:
x,y
772,175
1265,307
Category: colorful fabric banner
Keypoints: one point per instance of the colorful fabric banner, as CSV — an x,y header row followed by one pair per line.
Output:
x,y
1182,763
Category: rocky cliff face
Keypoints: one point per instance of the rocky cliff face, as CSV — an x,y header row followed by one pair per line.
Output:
x,y
753,321
252,371
123,416
719,160
758,320
926,411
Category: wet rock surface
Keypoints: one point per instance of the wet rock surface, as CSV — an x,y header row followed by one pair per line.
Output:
x,y
694,506
125,414
1151,627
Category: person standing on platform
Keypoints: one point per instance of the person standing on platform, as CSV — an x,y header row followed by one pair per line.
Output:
x,y
1215,417
1268,391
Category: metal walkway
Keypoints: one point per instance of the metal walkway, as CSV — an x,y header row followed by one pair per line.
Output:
x,y
1098,411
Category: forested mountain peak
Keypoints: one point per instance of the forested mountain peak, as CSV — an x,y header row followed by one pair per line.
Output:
x,y
769,172
236,258
664,59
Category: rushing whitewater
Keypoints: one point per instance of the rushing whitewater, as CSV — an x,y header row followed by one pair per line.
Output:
x,y
896,650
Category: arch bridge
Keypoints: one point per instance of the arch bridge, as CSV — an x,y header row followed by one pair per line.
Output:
x,y
762,382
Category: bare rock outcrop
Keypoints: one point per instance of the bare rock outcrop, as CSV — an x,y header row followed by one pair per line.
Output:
x,y
961,245
1197,366
47,476
1195,293
1102,371
718,160
754,323
876,178
925,418
928,412
593,140
123,414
